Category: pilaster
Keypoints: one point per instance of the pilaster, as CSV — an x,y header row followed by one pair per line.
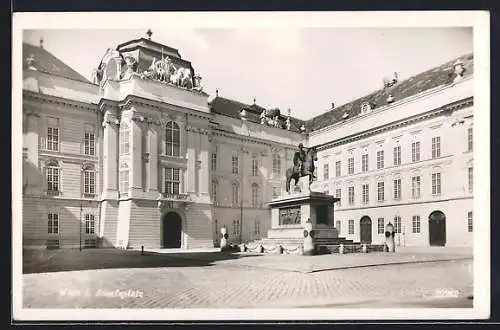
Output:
x,y
110,156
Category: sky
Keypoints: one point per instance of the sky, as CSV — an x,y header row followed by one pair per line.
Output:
x,y
304,69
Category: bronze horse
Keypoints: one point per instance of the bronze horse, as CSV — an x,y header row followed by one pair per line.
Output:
x,y
307,169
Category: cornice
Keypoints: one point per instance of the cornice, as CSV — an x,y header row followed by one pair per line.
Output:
x,y
49,99
446,109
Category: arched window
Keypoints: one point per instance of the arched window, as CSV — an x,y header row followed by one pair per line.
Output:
x,y
89,179
124,138
255,195
236,194
173,138
276,165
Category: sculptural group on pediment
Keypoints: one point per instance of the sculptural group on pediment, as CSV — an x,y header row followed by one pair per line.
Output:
x,y
266,118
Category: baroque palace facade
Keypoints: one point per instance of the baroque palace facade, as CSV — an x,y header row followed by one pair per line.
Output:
x,y
141,157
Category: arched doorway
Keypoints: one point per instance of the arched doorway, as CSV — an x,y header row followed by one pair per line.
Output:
x,y
172,230
437,228
365,232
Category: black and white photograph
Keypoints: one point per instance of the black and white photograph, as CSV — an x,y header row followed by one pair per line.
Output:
x,y
272,165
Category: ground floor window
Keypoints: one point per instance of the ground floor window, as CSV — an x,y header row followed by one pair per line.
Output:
x,y
53,223
469,222
89,224
397,224
416,224
351,227
236,227
380,226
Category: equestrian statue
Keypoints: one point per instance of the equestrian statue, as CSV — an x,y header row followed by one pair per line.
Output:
x,y
303,164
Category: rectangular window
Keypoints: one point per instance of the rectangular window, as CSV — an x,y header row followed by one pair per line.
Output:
x,y
89,143
470,138
366,197
53,223
380,225
350,165
469,222
351,227
364,163
255,167
236,195
53,138
235,164
214,161
172,180
214,192
397,224
89,182
236,227
397,189
415,187
397,156
415,224
351,195
380,191
276,166
53,179
338,194
471,178
325,171
380,159
436,147
337,168
338,226
124,176
436,183
89,224
124,139
415,151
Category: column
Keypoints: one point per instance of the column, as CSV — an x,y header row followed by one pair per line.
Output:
x,y
190,173
204,171
152,165
136,154
110,188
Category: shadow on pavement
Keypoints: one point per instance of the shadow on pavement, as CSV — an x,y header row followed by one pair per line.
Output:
x,y
44,261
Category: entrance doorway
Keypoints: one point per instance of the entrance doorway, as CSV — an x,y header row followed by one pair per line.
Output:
x,y
172,230
437,229
365,232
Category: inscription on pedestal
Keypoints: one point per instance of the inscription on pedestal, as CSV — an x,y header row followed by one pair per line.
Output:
x,y
289,215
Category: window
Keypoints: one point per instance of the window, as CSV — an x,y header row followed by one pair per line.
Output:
x,y
89,181
350,165
276,192
351,227
255,195
325,171
89,141
351,195
415,224
173,139
124,138
53,177
436,147
436,183
337,168
257,226
364,163
397,189
471,178
255,167
89,224
214,161
397,156
338,226
53,134
380,225
276,166
124,178
380,159
214,192
236,194
470,138
365,194
172,180
53,223
415,187
469,222
236,227
397,224
380,191
235,164
338,194
415,151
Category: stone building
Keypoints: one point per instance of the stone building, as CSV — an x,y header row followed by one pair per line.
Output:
x,y
140,156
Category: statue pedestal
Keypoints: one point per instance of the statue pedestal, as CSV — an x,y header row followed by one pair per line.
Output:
x,y
301,219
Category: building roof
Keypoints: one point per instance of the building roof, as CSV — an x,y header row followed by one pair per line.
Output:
x,y
46,62
231,108
441,75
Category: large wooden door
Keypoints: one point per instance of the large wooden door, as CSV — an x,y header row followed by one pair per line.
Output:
x,y
365,232
437,229
172,230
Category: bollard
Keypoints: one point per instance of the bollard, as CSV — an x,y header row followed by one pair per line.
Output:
x,y
309,248
223,240
364,248
389,238
142,249
341,248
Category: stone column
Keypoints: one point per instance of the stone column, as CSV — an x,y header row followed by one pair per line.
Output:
x,y
152,165
110,162
136,154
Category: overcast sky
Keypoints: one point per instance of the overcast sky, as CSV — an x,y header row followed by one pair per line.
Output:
x,y
305,69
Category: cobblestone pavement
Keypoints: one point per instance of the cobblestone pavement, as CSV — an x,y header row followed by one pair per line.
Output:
x,y
233,284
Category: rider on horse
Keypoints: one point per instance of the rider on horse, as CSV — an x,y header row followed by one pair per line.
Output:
x,y
298,160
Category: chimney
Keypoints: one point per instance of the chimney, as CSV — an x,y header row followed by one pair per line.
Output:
x,y
41,42
216,93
